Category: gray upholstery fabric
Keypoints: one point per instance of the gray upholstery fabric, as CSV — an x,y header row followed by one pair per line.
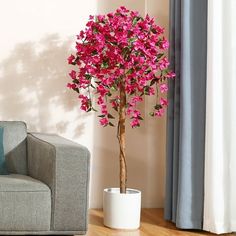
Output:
x,y
14,141
55,203
16,182
64,166
42,232
25,204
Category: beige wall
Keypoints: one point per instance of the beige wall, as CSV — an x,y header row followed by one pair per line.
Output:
x,y
36,38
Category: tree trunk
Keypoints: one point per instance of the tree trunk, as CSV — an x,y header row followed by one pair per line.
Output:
x,y
121,137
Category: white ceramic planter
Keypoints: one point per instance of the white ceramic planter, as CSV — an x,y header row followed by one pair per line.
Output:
x,y
121,211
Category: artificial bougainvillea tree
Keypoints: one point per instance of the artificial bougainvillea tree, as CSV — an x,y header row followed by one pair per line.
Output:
x,y
120,58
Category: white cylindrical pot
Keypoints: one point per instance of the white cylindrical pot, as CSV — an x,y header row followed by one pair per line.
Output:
x,y
122,210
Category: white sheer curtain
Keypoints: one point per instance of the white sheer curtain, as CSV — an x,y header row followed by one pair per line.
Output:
x,y
220,159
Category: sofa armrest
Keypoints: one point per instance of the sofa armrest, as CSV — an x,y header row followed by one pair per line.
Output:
x,y
64,166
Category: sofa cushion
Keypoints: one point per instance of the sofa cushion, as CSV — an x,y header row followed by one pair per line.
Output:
x,y
14,141
3,169
25,204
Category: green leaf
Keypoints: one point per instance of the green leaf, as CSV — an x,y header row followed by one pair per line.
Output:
x,y
76,90
151,113
132,93
75,61
158,106
88,76
101,116
113,43
75,81
160,55
135,20
153,31
165,71
110,116
140,118
92,86
94,52
153,81
148,71
136,126
130,71
113,88
111,124
95,30
146,90
105,64
125,51
131,40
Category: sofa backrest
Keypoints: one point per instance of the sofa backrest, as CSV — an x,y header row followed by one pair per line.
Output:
x,y
14,143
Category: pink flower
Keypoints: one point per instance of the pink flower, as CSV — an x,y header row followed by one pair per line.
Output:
x,y
72,74
134,14
170,75
120,47
164,63
110,15
163,88
81,35
104,109
70,59
136,114
163,102
100,18
115,104
122,10
160,112
84,107
100,100
108,81
134,100
84,102
151,91
129,111
135,123
159,29
71,86
90,23
164,44
130,88
102,90
104,121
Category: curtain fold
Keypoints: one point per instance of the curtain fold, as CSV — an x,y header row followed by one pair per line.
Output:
x,y
186,114
220,154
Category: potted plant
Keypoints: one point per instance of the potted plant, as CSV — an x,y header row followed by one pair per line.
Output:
x,y
120,58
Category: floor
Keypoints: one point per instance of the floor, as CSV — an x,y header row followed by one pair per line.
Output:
x,y
152,223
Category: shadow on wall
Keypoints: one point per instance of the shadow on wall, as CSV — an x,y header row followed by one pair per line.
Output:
x,y
33,87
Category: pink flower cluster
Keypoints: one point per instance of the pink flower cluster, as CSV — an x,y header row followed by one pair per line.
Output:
x,y
120,48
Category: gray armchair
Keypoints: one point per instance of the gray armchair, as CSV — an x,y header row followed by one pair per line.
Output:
x,y
47,189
